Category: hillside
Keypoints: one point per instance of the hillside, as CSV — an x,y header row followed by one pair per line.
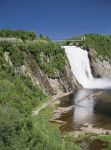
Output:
x,y
34,70
27,63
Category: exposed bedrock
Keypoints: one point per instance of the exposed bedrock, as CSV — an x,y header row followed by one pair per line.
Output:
x,y
65,82
99,66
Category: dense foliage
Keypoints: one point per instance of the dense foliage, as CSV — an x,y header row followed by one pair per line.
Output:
x,y
101,43
19,130
49,56
18,96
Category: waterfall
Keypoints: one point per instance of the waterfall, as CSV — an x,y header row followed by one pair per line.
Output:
x,y
80,66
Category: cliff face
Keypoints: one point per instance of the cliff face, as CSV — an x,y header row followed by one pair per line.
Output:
x,y
65,82
99,66
43,61
62,81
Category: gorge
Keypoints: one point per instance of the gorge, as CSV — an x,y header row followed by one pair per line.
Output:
x,y
33,71
93,92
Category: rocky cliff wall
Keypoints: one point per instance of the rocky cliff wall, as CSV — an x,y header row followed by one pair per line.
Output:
x,y
99,66
65,82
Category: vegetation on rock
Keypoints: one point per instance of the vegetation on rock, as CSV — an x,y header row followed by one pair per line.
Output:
x,y
19,130
100,43
18,97
49,55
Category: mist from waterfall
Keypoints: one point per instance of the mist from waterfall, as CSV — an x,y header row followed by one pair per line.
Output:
x,y
80,66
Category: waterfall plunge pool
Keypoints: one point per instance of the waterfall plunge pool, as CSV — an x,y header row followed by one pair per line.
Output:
x,y
88,109
92,104
91,107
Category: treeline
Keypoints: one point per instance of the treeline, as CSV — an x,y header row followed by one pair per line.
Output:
x,y
49,55
101,43
22,34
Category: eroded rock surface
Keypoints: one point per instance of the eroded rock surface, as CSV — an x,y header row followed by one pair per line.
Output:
x,y
60,112
99,66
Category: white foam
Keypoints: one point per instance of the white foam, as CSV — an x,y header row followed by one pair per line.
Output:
x,y
80,66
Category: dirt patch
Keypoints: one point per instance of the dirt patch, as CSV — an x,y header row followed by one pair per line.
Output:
x,y
46,104
98,145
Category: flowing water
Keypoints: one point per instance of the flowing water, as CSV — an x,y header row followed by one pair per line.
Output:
x,y
92,104
80,66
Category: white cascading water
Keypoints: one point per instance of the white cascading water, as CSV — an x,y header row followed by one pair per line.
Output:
x,y
80,66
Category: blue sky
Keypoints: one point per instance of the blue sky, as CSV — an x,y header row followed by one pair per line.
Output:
x,y
59,19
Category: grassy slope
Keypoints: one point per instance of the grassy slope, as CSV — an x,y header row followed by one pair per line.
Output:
x,y
51,135
18,97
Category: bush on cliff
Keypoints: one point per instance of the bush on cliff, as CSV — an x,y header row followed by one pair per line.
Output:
x,y
18,97
49,56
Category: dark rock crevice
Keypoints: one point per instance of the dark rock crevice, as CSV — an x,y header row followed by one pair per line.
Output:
x,y
37,74
66,82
